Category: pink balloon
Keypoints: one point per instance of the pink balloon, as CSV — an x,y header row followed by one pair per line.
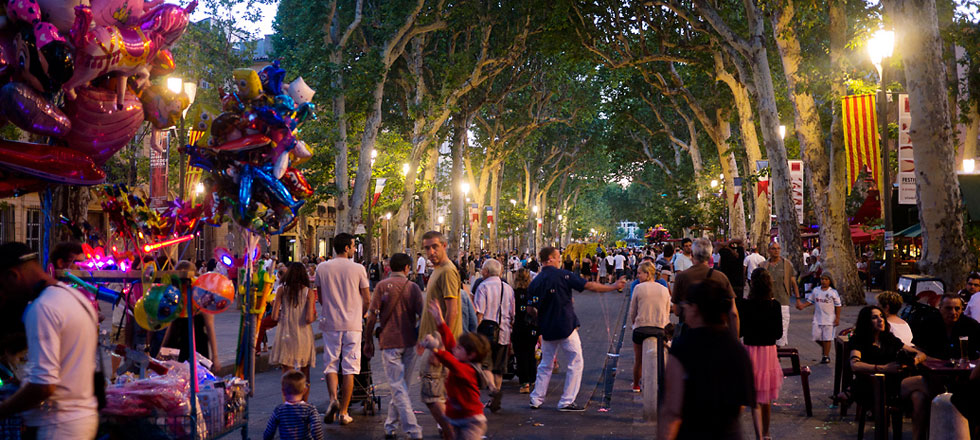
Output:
x,y
99,129
50,162
27,109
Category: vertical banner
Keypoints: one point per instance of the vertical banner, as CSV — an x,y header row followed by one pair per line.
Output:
x,y
474,212
737,190
762,185
796,180
906,162
379,186
489,214
159,158
861,138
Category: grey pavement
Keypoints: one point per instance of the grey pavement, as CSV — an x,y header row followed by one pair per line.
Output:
x,y
601,316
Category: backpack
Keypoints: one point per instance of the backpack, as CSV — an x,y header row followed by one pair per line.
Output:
x,y
484,378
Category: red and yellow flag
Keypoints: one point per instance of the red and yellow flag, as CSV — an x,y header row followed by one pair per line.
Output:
x,y
861,138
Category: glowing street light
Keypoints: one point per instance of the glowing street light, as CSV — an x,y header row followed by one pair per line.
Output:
x,y
535,209
969,165
559,217
374,154
440,219
199,188
782,132
513,202
175,84
714,183
405,169
465,187
880,46
388,216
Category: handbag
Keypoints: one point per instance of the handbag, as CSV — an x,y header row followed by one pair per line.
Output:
x,y
491,329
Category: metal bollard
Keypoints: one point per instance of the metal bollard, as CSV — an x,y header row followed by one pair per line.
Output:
x,y
945,421
653,361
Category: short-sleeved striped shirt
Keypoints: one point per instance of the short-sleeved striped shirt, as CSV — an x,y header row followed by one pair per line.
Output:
x,y
294,421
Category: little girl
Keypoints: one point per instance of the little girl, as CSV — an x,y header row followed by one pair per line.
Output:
x,y
294,419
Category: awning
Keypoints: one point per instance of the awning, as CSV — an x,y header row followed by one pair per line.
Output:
x,y
859,234
913,231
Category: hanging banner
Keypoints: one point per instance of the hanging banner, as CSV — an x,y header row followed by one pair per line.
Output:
x,y
762,185
489,214
379,186
737,190
474,212
906,161
861,138
159,158
796,180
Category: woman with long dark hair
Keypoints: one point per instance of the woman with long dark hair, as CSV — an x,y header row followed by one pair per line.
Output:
x,y
761,324
525,333
295,308
874,349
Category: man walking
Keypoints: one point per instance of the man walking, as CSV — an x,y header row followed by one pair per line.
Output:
x,y
783,286
443,287
344,297
682,260
699,272
619,261
420,270
752,262
58,395
397,303
494,301
559,325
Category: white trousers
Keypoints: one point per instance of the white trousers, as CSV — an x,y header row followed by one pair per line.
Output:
x,y
572,348
398,361
84,428
781,342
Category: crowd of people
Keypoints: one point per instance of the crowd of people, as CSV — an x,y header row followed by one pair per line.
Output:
x,y
456,325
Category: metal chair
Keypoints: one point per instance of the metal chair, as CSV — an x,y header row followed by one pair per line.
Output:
x,y
796,370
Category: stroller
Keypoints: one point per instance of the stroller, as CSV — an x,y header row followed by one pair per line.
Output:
x,y
364,390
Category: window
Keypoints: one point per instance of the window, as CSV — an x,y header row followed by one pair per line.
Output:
x,y
34,229
6,223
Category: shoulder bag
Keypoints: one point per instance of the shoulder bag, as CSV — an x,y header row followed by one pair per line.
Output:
x,y
491,329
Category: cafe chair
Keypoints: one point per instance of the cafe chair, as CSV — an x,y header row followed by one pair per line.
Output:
x,y
796,370
881,410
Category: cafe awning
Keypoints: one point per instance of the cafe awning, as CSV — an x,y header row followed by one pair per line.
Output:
x,y
913,231
863,235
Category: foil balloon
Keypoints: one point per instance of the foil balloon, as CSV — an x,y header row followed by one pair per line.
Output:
x,y
297,184
108,49
300,91
27,109
44,64
120,13
213,292
98,128
163,63
247,81
144,320
162,107
162,303
61,13
272,77
49,162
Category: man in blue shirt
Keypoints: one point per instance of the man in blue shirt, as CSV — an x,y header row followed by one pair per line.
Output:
x,y
558,325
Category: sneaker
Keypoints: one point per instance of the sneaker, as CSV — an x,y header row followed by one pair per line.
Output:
x,y
332,408
825,360
346,419
525,389
637,389
571,407
533,406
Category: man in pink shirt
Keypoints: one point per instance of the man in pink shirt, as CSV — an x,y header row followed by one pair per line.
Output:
x,y
344,297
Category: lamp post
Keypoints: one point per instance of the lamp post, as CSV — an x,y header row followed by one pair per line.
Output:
x,y
880,46
177,86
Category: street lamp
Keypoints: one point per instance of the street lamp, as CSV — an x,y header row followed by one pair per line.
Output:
x,y
175,84
405,169
714,183
465,187
782,132
535,209
969,165
388,216
513,202
198,188
880,46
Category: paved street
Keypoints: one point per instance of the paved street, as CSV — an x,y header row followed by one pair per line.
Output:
x,y
601,316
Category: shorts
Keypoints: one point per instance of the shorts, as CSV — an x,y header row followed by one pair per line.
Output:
x,y
496,360
641,333
432,380
342,352
823,332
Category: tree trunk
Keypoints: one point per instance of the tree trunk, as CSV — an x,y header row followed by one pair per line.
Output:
x,y
457,199
425,219
341,176
736,207
940,210
495,205
827,171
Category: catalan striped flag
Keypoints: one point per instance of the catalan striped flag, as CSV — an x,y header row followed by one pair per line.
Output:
x,y
861,138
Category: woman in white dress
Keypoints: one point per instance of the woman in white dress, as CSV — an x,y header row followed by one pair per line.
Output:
x,y
295,307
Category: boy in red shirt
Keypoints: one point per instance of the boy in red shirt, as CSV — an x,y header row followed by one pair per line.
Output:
x,y
464,409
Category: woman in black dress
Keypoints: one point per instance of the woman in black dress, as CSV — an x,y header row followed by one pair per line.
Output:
x,y
586,268
874,349
524,336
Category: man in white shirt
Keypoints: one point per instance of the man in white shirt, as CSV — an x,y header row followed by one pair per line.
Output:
x,y
619,261
610,266
344,297
58,394
420,271
752,262
682,260
973,287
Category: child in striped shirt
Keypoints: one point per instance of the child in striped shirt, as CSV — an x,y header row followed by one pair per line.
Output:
x,y
294,419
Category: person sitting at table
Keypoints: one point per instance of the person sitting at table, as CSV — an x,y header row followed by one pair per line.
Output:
x,y
940,339
891,303
875,350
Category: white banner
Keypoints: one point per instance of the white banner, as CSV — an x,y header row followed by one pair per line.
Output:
x,y
796,180
906,161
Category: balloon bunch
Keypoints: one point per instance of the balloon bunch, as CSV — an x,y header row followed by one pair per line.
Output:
x,y
251,150
134,221
657,234
107,58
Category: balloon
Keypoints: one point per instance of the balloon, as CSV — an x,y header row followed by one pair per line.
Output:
x,y
247,81
103,49
296,183
163,63
245,143
61,13
272,77
98,128
27,109
15,186
300,92
162,303
213,292
49,162
245,190
118,12
58,59
143,318
163,107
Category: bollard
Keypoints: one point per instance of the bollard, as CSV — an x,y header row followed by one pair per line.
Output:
x,y
651,377
945,421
